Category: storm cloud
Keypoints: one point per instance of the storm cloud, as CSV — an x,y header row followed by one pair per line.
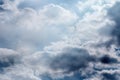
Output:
x,y
108,60
72,59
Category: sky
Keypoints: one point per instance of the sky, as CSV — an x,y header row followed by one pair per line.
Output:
x,y
59,40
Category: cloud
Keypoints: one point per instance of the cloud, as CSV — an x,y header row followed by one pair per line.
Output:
x,y
107,76
47,27
72,60
77,45
108,60
113,13
8,58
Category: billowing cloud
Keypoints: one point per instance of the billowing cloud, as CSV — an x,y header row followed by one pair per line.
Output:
x,y
52,19
59,40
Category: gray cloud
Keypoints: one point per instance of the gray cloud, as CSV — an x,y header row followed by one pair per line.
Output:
x,y
108,60
8,58
114,15
1,2
6,62
110,76
72,60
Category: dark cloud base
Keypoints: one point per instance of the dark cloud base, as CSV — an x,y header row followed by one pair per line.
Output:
x,y
5,64
72,60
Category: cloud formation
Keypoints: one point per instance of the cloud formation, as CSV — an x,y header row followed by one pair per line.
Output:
x,y
55,42
47,23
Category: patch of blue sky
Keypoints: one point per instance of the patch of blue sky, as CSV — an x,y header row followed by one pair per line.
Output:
x,y
38,3
70,5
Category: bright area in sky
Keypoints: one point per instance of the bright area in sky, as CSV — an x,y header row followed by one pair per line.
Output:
x,y
36,28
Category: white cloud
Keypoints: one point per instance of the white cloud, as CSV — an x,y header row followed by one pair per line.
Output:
x,y
7,52
36,28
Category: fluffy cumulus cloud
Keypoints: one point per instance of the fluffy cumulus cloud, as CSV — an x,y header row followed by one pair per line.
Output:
x,y
18,24
59,40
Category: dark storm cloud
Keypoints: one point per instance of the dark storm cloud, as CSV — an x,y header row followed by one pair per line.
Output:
x,y
9,61
72,60
115,16
78,61
109,76
108,60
